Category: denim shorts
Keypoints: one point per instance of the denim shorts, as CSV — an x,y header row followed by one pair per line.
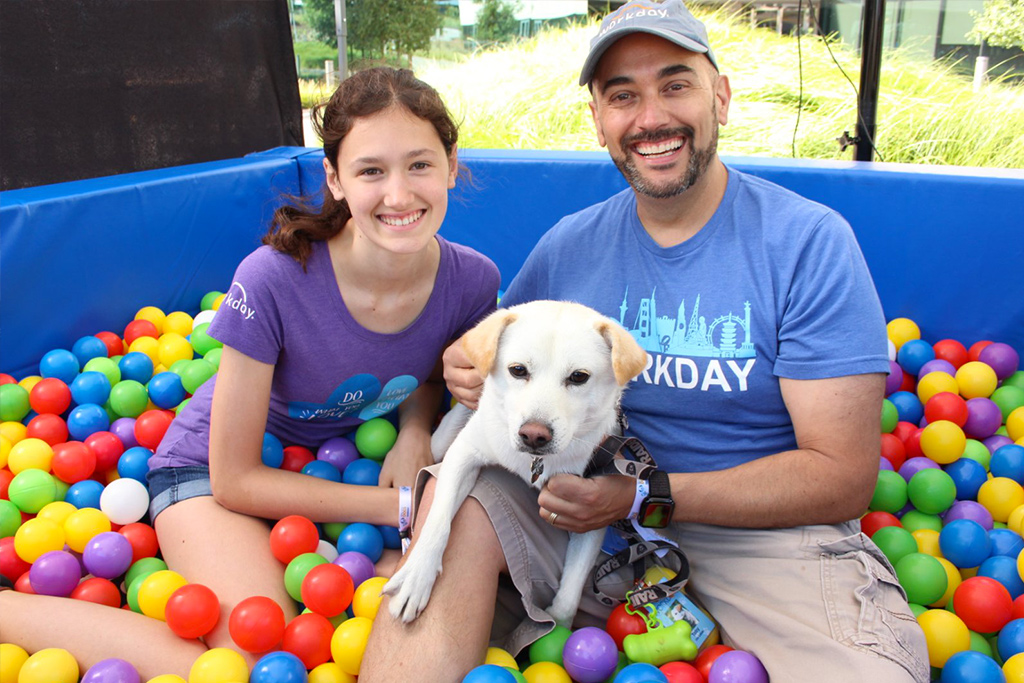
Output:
x,y
168,485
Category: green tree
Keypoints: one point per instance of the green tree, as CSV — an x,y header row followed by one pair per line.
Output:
x,y
320,17
1001,23
376,27
496,21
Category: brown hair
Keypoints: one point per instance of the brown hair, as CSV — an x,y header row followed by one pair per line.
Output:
x,y
297,225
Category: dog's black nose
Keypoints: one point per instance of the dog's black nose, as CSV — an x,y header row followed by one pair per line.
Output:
x,y
535,435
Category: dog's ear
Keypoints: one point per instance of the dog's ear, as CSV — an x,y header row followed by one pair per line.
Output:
x,y
628,358
481,342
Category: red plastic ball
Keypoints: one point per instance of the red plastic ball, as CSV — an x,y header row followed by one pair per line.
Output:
x,y
975,350
951,351
140,328
913,444
327,589
73,461
193,610
296,457
621,623
681,672
893,450
706,658
904,430
293,536
308,637
984,604
946,405
50,396
151,426
49,427
908,383
107,448
5,481
22,585
257,624
142,538
1018,607
115,346
11,565
873,521
98,590
7,379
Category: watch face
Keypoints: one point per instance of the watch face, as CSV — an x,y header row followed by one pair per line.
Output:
x,y
657,514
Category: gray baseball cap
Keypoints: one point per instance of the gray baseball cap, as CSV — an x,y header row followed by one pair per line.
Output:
x,y
669,20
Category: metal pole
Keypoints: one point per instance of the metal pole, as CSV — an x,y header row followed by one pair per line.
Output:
x,y
870,68
341,26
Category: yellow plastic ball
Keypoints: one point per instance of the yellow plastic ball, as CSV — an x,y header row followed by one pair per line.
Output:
x,y
499,657
953,581
219,665
36,537
148,346
943,441
1015,424
12,658
5,450
156,589
52,665
174,347
968,573
1001,496
349,643
30,453
945,633
153,315
29,382
1013,668
927,541
13,431
57,512
81,525
902,330
976,380
546,672
167,678
1015,520
217,302
366,598
178,322
936,383
330,672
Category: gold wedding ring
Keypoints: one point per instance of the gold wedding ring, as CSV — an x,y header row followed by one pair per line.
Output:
x,y
552,517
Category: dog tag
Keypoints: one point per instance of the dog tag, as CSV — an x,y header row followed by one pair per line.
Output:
x,y
536,469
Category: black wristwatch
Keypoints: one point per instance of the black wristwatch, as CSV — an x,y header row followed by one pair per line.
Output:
x,y
657,508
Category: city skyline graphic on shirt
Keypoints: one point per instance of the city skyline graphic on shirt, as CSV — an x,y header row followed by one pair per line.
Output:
x,y
725,335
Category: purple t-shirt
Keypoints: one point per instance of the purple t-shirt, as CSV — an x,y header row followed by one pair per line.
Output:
x,y
331,373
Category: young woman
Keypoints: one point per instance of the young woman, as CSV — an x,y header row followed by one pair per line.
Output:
x,y
341,316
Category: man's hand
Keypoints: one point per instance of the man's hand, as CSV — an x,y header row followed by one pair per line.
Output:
x,y
410,453
464,381
585,504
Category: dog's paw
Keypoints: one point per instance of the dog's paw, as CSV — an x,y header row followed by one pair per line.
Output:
x,y
409,590
563,609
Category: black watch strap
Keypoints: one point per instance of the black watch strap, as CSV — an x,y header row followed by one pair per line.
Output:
x,y
658,481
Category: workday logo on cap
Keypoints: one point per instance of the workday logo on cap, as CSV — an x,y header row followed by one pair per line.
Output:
x,y
669,20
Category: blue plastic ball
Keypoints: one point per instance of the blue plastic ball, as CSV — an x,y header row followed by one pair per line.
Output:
x,y
392,539
87,348
279,667
640,672
1004,570
489,673
965,543
1011,639
84,494
908,406
166,390
90,387
134,463
361,538
1006,542
968,476
913,354
136,366
1008,461
87,419
60,363
969,666
322,469
363,472
273,451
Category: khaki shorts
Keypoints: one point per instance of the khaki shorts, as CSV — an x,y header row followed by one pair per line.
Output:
x,y
816,603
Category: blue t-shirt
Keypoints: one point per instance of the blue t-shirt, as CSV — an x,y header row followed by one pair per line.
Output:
x,y
331,374
774,285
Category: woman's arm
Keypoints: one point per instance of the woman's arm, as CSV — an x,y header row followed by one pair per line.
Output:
x,y
240,480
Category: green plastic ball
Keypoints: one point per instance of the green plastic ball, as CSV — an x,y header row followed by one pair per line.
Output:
x,y
32,490
133,591
1015,380
143,567
129,398
14,405
10,518
931,491
107,366
978,452
207,301
374,438
195,372
549,647
1008,398
890,492
896,542
922,577
213,356
296,571
181,406
914,520
178,366
978,642
332,530
202,342
890,416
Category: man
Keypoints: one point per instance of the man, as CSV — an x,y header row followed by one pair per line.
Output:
x,y
761,400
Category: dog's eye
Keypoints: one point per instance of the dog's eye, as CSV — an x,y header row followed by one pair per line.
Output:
x,y
518,370
578,377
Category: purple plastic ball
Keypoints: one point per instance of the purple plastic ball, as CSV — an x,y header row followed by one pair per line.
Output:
x,y
124,429
338,451
737,666
358,566
912,466
969,509
1000,357
937,365
55,573
107,555
111,671
590,655
884,464
894,379
995,442
983,418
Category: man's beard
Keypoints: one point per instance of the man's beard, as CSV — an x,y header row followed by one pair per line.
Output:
x,y
699,161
